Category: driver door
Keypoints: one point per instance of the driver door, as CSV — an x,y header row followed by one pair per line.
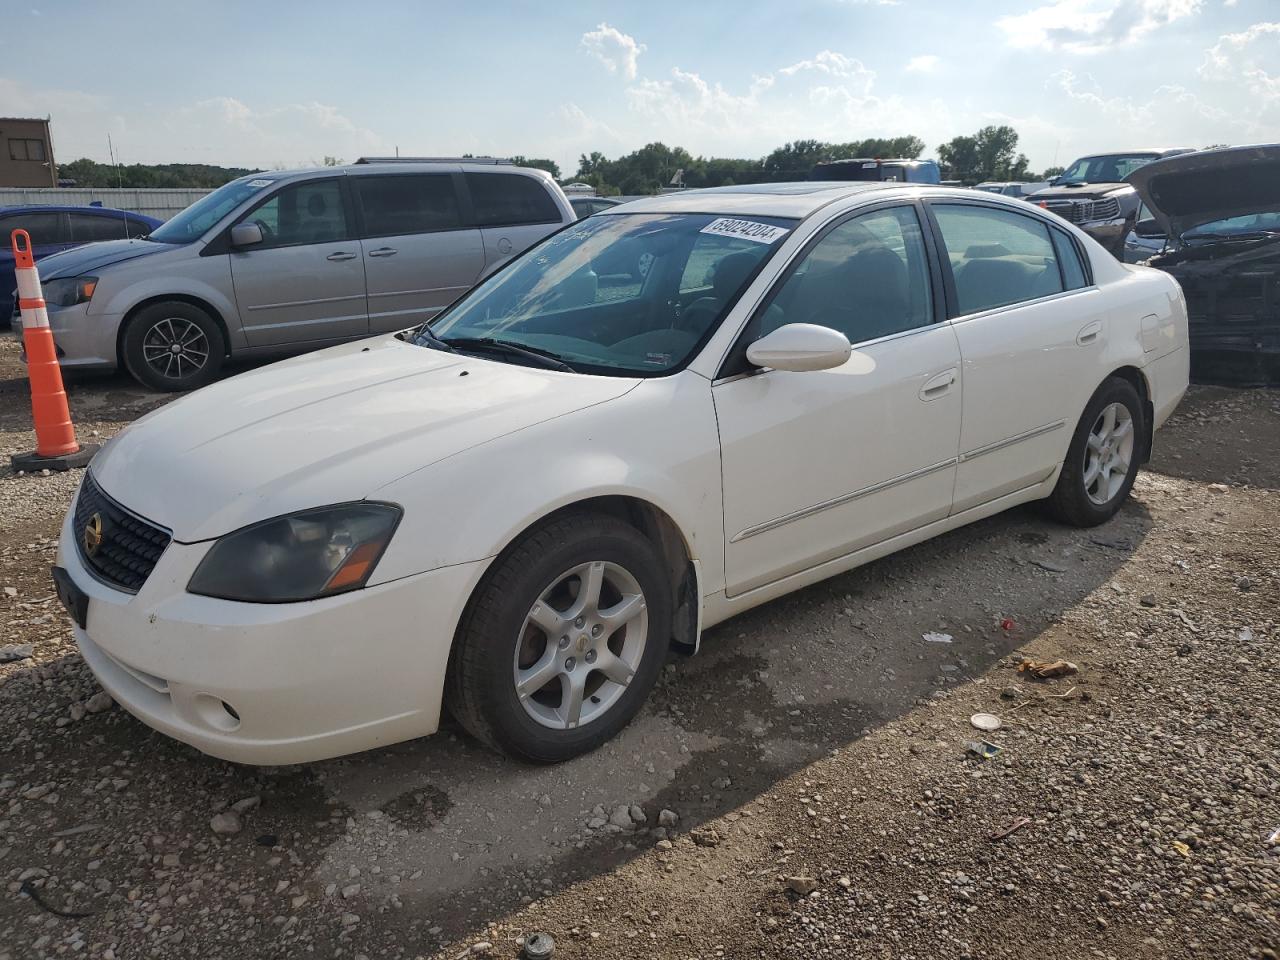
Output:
x,y
305,280
820,464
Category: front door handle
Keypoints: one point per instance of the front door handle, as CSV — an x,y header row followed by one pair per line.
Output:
x,y
938,386
340,255
383,252
1089,334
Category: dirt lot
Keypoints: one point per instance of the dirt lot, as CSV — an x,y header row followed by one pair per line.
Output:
x,y
811,760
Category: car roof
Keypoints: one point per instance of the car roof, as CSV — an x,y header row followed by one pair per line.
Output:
x,y
798,199
69,208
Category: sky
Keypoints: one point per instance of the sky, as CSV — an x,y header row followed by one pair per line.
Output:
x,y
287,84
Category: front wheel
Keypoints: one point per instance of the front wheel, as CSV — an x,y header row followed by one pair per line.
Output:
x,y
563,639
1102,461
173,346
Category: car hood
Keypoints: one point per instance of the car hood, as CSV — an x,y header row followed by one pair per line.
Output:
x,y
78,261
1192,189
325,428
1079,191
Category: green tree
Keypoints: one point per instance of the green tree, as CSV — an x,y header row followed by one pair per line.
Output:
x,y
989,154
538,163
1051,172
90,173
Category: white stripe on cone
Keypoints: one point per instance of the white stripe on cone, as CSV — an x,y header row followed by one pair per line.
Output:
x,y
34,317
28,283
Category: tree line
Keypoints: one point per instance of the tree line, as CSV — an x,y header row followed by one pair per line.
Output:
x,y
988,154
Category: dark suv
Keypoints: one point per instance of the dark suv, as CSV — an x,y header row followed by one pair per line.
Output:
x,y
905,171
1092,194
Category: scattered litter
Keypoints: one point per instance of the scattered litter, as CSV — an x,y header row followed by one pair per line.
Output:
x,y
1245,635
539,946
1008,623
76,831
13,652
938,637
266,840
982,749
1182,615
1182,848
985,721
29,889
1118,543
1274,839
1011,828
1046,669
1062,696
1049,565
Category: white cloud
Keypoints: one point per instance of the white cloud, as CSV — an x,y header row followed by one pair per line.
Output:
x,y
924,63
1243,58
1092,26
615,49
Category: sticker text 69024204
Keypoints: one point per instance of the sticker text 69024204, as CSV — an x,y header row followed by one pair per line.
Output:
x,y
745,230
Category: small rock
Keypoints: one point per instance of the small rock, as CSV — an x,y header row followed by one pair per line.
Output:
x,y
1148,600
350,891
621,817
668,818
1219,487
483,948
705,837
1185,650
10,591
13,652
226,823
802,886
99,702
245,805
76,712
637,814
544,800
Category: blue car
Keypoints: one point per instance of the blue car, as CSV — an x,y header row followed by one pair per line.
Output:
x,y
54,229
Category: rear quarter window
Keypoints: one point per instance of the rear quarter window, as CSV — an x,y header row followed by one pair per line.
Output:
x,y
510,199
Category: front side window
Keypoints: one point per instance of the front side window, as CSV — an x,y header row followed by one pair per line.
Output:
x,y
306,212
997,257
417,203
867,277
196,220
510,199
627,295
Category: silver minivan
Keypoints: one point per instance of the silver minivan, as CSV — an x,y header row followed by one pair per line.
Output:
x,y
282,262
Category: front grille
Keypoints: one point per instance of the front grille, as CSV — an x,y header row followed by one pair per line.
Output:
x,y
129,546
1085,211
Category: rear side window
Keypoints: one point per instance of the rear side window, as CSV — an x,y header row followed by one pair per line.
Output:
x,y
306,212
997,257
1073,275
509,199
89,228
421,203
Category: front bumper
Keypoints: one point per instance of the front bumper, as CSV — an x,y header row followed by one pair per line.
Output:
x,y
302,681
1109,233
83,342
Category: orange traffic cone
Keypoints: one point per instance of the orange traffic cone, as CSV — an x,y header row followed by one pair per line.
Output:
x,y
56,446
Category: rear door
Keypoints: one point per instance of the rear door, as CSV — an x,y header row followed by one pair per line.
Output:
x,y
419,253
305,281
514,211
48,229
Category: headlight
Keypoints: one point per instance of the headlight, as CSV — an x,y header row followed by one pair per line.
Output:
x,y
315,553
68,291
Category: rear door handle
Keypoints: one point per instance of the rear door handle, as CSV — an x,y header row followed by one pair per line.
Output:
x,y
383,252
939,385
340,255
1089,334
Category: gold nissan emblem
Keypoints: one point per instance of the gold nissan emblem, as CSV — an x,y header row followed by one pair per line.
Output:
x,y
93,534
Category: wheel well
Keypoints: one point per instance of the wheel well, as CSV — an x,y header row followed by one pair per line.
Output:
x,y
1138,380
667,536
165,298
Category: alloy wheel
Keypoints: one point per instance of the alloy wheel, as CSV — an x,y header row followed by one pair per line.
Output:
x,y
175,348
1108,453
580,645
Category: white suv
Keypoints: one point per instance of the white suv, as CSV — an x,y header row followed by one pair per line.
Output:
x,y
277,263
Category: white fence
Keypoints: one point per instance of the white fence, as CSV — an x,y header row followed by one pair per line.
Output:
x,y
161,204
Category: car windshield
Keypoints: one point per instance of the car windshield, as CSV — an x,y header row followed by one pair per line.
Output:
x,y
1249,225
618,294
1111,168
193,222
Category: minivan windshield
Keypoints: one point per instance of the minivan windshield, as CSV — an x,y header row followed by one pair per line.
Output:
x,y
1110,168
615,294
193,222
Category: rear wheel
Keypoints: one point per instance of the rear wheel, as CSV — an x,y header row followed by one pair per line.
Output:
x,y
1102,461
173,346
563,640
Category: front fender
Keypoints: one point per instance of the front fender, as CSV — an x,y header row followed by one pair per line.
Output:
x,y
207,279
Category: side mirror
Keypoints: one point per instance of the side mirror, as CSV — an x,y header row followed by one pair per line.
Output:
x,y
799,347
1148,228
245,234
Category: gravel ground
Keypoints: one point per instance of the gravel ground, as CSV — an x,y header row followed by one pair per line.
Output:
x,y
800,789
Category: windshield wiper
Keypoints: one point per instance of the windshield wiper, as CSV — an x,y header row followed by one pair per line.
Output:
x,y
1241,235
536,355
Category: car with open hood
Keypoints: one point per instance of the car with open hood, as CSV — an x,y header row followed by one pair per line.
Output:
x,y
1219,211
1093,194
516,510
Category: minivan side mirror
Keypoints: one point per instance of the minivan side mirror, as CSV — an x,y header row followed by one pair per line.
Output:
x,y
1148,228
800,347
245,234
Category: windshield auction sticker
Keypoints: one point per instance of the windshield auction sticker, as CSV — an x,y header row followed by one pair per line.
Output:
x,y
745,230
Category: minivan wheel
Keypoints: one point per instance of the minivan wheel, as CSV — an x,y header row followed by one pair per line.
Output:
x,y
1102,461
173,346
562,641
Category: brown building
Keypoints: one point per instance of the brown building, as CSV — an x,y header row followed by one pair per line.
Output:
x,y
26,153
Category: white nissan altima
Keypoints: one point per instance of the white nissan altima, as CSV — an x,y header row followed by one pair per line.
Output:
x,y
655,419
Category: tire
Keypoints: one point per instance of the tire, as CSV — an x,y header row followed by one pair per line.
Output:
x,y
148,340
498,641
1083,498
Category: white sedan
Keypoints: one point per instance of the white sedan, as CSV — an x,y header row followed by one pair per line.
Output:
x,y
654,420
